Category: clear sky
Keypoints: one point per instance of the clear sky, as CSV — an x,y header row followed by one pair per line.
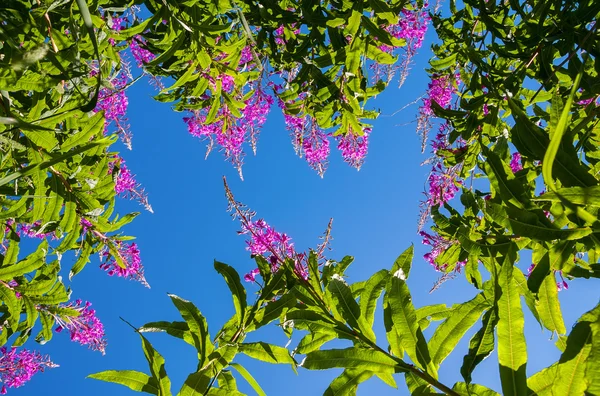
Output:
x,y
375,215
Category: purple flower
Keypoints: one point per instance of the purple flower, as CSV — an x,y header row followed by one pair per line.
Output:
x,y
442,185
16,368
126,186
114,103
85,224
515,163
353,147
231,132
85,328
441,89
33,231
129,255
438,245
251,276
316,149
141,55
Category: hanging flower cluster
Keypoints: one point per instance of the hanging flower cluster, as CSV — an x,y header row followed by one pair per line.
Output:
x,y
18,366
85,328
129,255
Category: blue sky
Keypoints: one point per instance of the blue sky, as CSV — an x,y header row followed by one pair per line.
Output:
x,y
375,215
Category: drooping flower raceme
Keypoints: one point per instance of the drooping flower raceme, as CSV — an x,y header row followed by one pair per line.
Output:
x,y
126,186
439,245
354,147
86,328
440,90
227,130
18,366
140,55
515,163
411,27
129,255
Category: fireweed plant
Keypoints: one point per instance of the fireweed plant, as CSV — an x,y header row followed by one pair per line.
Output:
x,y
65,68
513,82
514,85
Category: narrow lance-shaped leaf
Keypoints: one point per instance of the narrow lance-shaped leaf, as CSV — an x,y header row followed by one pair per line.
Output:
x,y
512,350
134,380
450,331
481,346
370,294
249,378
197,326
353,358
267,353
405,323
572,371
237,290
348,307
548,306
157,367
347,382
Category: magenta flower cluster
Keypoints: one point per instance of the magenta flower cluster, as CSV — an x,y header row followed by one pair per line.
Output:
x,y
126,185
129,255
438,245
86,328
515,163
114,102
441,89
17,367
443,185
265,241
411,27
227,130
140,54
354,147
316,149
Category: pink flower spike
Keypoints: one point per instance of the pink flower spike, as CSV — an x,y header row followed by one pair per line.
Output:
x,y
130,256
17,367
251,276
515,163
85,328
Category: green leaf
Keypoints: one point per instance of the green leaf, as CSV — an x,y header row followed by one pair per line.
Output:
x,y
29,264
481,345
512,350
198,327
43,139
353,358
348,307
237,290
370,294
347,382
592,371
267,353
134,380
175,329
540,384
571,376
93,126
405,323
548,306
196,384
441,64
157,368
473,390
249,378
450,331
557,132
403,263
314,340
